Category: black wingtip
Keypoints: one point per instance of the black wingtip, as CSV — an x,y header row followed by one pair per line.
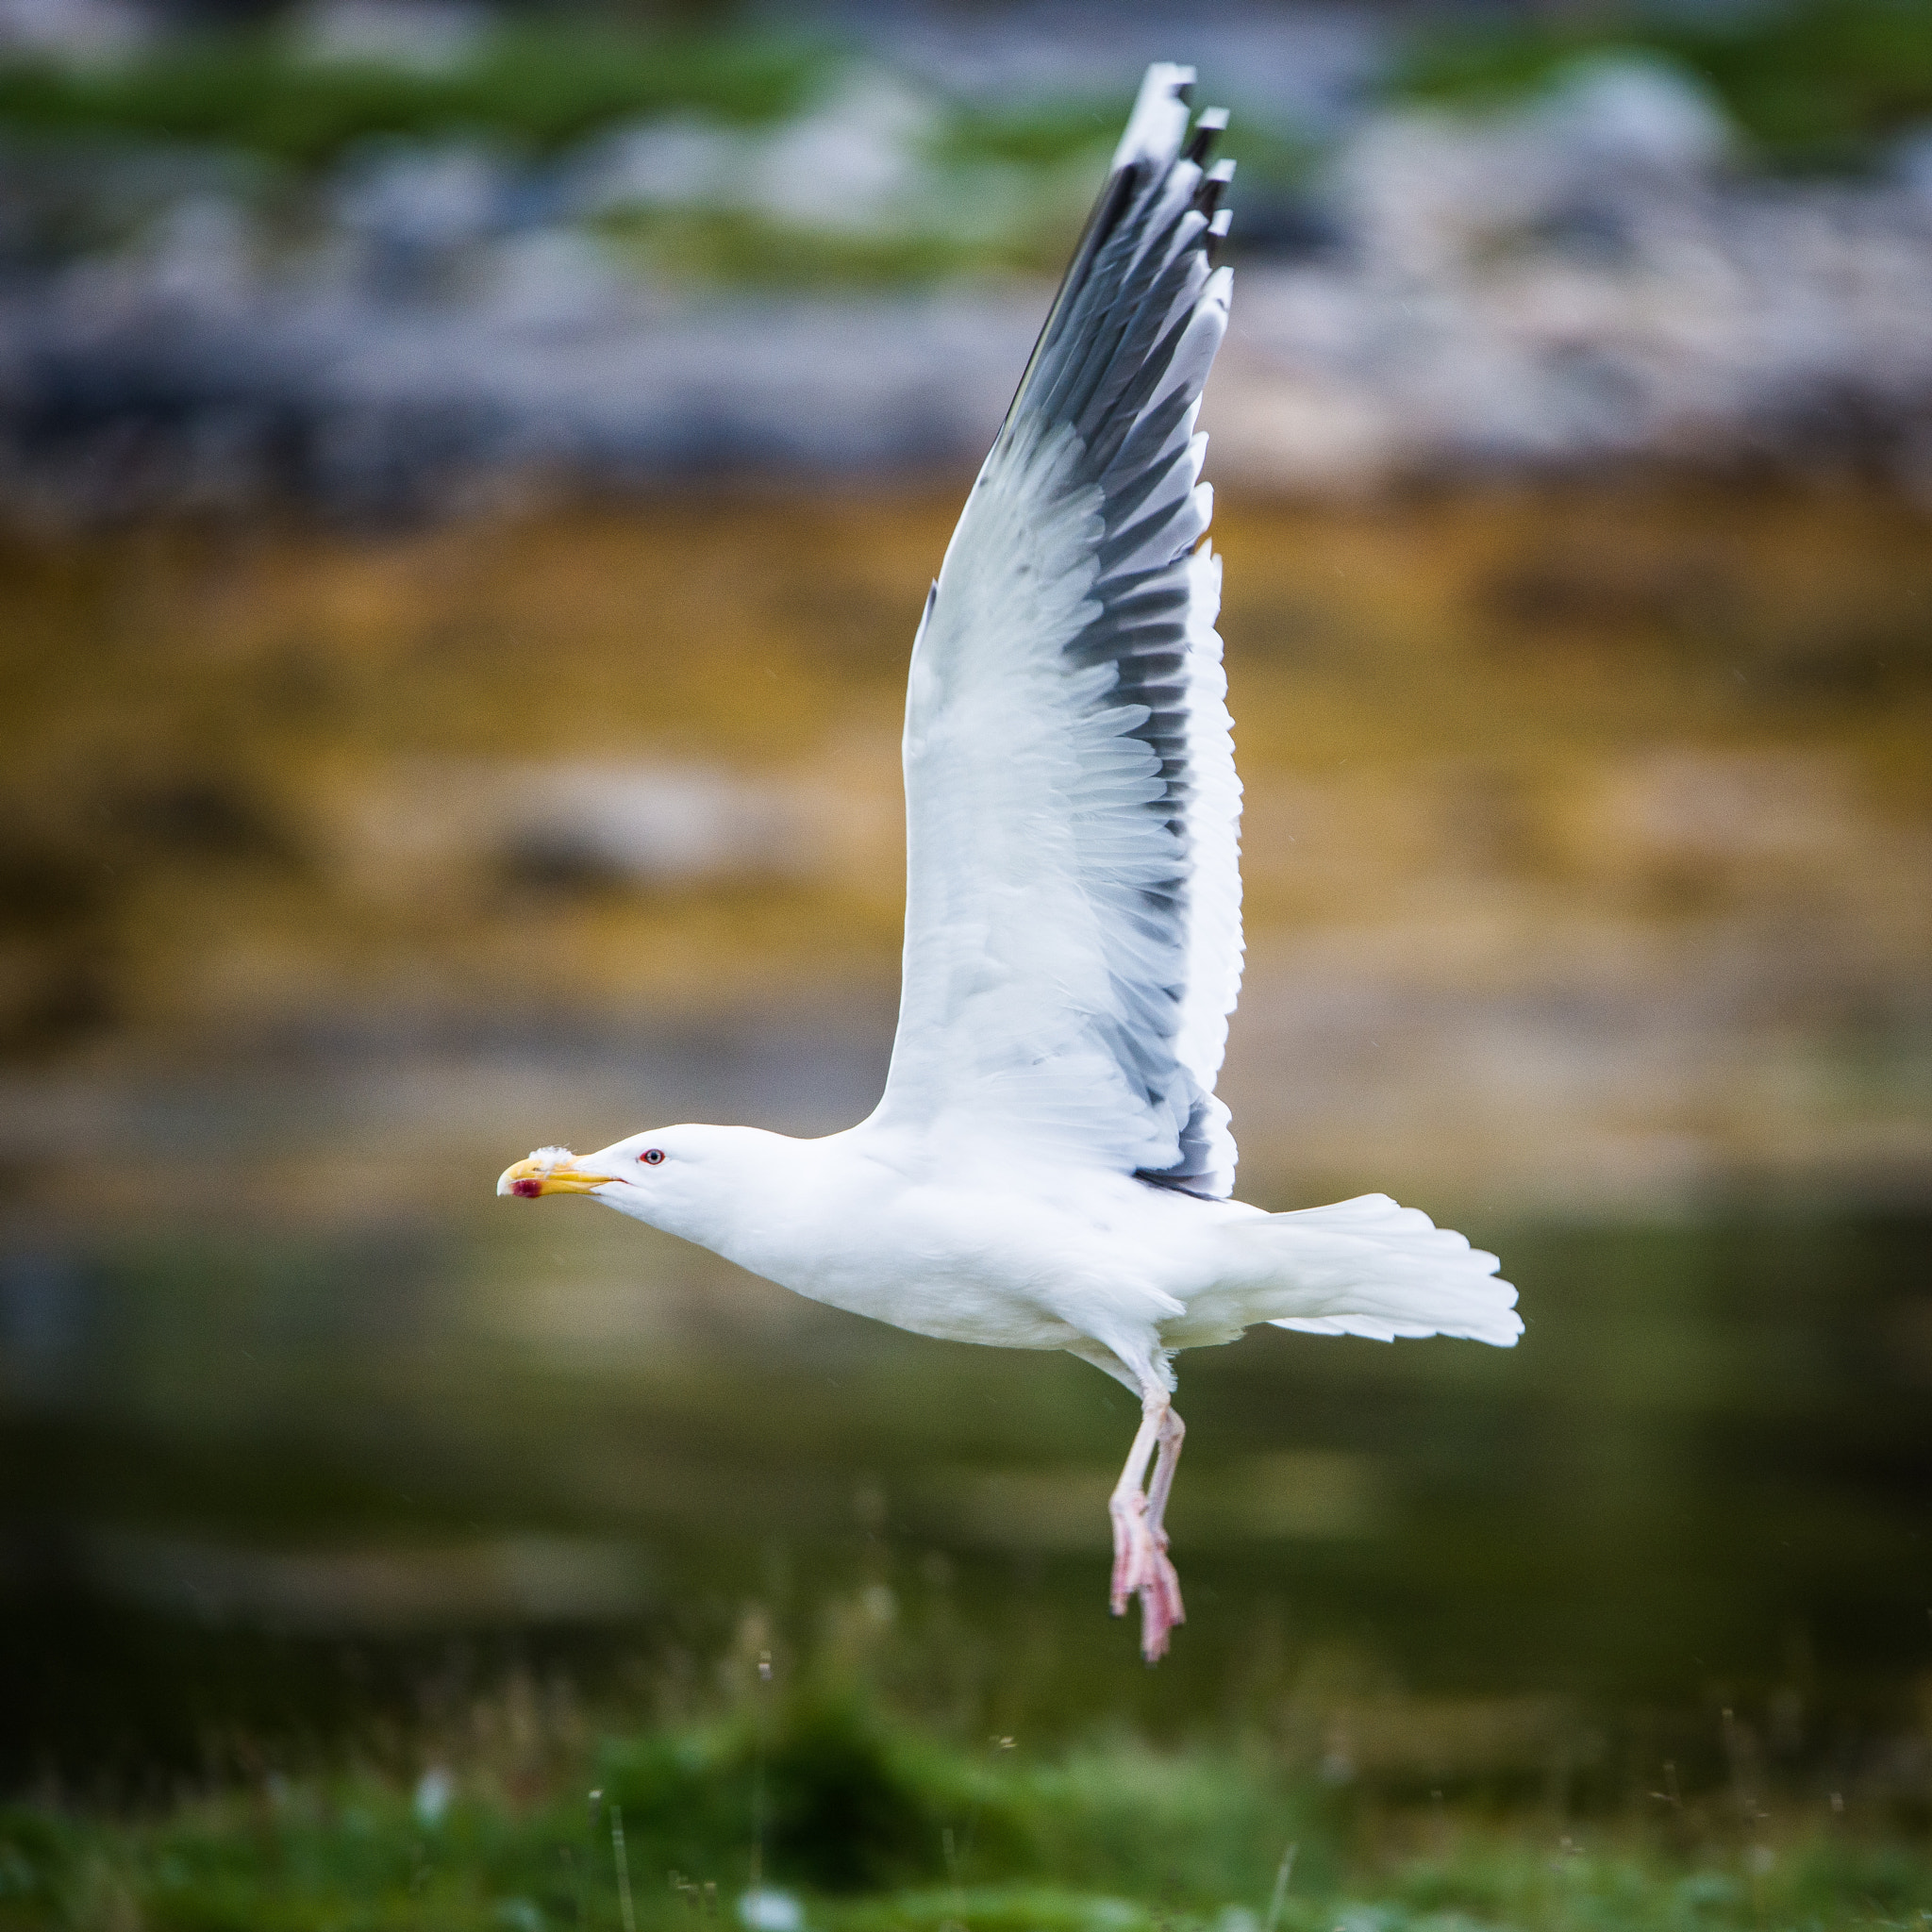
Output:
x,y
1208,129
1213,186
1217,236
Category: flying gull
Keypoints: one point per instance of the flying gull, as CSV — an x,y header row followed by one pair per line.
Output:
x,y
1049,1166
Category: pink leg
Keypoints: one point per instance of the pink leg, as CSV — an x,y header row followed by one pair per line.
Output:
x,y
1173,1434
1140,1563
1128,1506
1160,1598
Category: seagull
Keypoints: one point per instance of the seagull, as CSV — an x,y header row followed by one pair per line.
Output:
x,y
1049,1167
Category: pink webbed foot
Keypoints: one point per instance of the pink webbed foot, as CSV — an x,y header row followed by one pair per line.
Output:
x,y
1143,1568
1160,1597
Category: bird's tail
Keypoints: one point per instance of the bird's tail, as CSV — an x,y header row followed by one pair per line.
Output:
x,y
1370,1267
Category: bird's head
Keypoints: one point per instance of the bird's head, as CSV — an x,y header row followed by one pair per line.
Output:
x,y
681,1179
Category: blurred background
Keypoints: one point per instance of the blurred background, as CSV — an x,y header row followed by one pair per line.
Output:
x,y
468,478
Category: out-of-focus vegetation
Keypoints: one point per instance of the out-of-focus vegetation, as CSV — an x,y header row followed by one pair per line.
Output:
x,y
987,190
534,84
538,84
999,188
1033,136
1052,132
1816,83
524,1815
742,248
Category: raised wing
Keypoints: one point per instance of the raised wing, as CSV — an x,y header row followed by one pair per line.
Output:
x,y
1072,918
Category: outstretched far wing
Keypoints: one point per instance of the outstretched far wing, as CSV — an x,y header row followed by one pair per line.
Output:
x,y
1072,918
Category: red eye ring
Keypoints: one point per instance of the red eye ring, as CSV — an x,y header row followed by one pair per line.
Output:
x,y
654,1157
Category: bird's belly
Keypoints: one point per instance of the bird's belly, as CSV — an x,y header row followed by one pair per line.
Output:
x,y
1006,1272
948,1302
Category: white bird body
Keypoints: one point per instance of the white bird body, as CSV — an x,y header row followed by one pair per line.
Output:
x,y
937,1242
961,1242
1049,1166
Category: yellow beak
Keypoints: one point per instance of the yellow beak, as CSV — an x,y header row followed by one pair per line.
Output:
x,y
534,1178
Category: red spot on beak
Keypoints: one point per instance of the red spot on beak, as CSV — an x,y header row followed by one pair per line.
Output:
x,y
529,1188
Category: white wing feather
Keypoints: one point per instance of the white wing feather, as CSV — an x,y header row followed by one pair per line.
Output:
x,y
1072,920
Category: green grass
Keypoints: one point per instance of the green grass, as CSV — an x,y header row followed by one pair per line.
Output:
x,y
737,247
876,1825
1039,135
1815,84
537,86
983,229
1005,190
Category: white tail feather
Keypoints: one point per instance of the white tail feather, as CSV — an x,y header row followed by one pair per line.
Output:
x,y
1373,1268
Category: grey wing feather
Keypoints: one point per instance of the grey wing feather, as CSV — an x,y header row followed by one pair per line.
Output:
x,y
1073,924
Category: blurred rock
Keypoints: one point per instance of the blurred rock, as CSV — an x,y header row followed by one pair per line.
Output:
x,y
424,36
861,162
1594,277
72,30
1433,196
411,213
117,396
1630,113
200,256
1587,279
655,163
580,828
644,825
853,163
550,279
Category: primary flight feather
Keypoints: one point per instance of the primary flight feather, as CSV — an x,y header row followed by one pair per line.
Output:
x,y
1049,1166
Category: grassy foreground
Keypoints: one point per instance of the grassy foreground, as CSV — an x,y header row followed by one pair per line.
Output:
x,y
859,1824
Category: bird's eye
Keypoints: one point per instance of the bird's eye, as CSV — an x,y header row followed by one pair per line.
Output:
x,y
654,1157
